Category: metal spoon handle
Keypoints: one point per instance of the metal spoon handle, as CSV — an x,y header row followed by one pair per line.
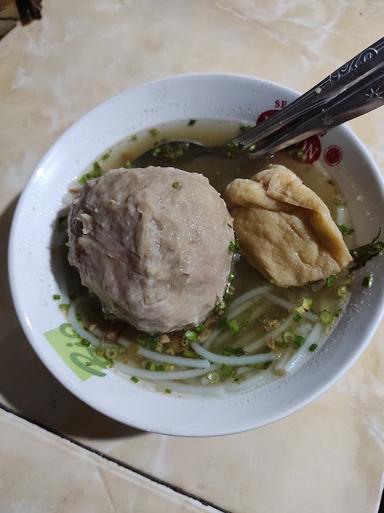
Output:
x,y
364,97
367,65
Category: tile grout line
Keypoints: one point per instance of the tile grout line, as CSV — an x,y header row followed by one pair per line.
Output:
x,y
120,463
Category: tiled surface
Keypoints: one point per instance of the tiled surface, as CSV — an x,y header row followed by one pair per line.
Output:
x,y
40,472
326,458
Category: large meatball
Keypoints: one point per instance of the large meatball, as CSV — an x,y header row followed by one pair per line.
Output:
x,y
152,244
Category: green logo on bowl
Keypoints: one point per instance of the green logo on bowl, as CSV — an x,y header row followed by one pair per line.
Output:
x,y
77,353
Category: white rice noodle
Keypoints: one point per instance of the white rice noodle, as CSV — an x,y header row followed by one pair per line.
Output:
x,y
79,329
303,353
257,309
341,215
161,375
251,294
211,338
232,360
279,301
260,378
303,329
289,306
174,360
259,343
123,341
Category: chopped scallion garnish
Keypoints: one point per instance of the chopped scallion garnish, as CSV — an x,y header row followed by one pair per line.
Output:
x,y
153,132
134,379
367,281
191,122
312,347
56,297
330,281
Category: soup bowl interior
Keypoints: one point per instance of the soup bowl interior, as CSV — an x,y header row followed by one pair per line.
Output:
x,y
33,283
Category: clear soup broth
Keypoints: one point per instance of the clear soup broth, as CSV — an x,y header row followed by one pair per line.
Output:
x,y
258,332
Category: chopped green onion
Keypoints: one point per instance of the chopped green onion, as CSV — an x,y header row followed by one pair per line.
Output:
x,y
220,306
97,171
111,353
299,340
345,230
342,291
288,337
176,185
199,328
56,297
338,201
297,317
191,122
128,165
153,132
233,326
191,336
134,379
106,155
168,391
326,317
213,377
330,281
233,351
228,371
233,246
64,307
312,347
133,137
367,281
305,305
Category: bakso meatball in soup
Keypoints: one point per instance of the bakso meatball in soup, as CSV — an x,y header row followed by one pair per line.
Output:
x,y
152,244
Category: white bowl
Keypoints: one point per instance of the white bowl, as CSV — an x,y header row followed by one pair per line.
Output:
x,y
228,97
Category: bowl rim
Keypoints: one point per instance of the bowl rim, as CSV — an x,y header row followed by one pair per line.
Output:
x,y
372,325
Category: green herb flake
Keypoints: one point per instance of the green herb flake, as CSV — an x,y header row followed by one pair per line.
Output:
x,y
191,122
312,347
153,132
297,317
305,306
135,379
199,328
326,317
106,155
244,127
133,138
299,340
220,306
288,337
233,351
233,246
338,201
128,165
96,171
233,326
363,254
84,342
191,336
367,281
56,297
342,291
330,281
345,230
228,371
168,391
64,307
176,185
